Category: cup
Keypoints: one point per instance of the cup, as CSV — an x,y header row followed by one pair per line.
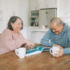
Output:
x,y
54,50
42,26
20,52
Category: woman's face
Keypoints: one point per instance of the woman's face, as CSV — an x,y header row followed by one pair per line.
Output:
x,y
17,25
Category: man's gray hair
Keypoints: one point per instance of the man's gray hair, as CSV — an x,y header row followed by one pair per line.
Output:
x,y
56,20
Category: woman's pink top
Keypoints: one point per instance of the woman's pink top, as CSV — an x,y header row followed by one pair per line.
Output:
x,y
9,41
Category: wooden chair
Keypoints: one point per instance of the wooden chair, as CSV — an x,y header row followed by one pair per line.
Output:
x,y
0,36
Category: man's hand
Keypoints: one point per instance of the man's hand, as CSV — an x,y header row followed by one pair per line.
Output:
x,y
60,53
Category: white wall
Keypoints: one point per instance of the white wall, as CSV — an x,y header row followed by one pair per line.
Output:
x,y
63,7
24,14
10,8
63,10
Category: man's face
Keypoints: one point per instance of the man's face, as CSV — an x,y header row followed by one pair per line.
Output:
x,y
56,28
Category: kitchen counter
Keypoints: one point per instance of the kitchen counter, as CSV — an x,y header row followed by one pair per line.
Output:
x,y
39,30
35,34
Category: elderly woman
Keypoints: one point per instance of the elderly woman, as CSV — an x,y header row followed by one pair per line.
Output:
x,y
11,38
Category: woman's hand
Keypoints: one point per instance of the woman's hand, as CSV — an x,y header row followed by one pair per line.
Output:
x,y
29,44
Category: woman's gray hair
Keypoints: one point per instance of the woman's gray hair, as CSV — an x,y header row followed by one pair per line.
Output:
x,y
13,19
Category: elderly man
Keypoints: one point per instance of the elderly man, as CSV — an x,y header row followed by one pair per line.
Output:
x,y
59,35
